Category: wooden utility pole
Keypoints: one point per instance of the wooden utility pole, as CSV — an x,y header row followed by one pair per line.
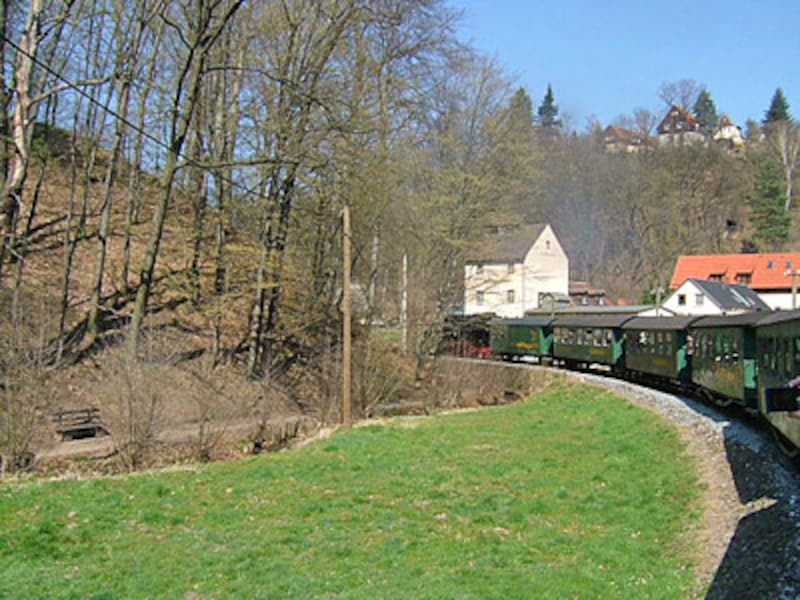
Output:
x,y
346,315
793,273
404,305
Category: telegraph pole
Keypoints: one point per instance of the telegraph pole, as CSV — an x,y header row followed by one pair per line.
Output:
x,y
346,315
793,273
404,305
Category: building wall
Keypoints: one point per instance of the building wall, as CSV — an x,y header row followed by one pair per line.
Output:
x,y
545,269
779,301
690,292
487,289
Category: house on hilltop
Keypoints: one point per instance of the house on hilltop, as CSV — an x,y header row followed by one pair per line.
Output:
x,y
679,126
771,276
729,134
516,271
617,139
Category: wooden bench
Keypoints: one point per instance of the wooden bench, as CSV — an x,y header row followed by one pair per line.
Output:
x,y
79,423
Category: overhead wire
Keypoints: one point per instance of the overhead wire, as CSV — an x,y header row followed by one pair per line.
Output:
x,y
248,191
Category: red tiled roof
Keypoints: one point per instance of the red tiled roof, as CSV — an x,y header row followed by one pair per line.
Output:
x,y
765,271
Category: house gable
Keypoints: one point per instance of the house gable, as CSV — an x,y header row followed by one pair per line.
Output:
x,y
509,274
677,120
701,297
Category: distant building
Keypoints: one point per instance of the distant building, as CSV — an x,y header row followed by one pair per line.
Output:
x,y
704,297
581,293
679,126
771,276
728,134
618,140
517,271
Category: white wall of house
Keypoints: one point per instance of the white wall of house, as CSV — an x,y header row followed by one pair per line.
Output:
x,y
779,300
689,299
731,134
509,289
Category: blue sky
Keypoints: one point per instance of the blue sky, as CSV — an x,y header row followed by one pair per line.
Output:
x,y
605,58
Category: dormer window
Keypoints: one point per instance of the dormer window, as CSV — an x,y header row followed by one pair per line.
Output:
x,y
744,278
715,277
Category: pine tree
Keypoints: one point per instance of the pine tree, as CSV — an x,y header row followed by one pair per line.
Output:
x,y
548,111
778,109
521,108
706,111
768,214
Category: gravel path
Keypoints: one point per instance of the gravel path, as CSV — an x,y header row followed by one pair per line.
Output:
x,y
750,530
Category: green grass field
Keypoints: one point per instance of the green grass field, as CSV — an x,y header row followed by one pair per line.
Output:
x,y
574,494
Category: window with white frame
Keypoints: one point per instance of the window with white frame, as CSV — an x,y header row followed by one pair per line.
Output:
x,y
479,299
510,296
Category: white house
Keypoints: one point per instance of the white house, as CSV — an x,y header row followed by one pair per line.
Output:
x,y
728,133
514,272
699,297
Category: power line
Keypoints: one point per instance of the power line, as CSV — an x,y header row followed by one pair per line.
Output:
x,y
158,142
144,133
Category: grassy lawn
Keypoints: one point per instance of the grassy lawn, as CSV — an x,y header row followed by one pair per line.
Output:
x,y
575,494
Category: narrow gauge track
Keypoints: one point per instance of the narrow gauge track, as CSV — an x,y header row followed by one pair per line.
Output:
x,y
749,535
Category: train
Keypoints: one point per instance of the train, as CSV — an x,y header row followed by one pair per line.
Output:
x,y
751,360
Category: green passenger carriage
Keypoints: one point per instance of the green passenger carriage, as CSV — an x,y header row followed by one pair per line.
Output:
x,y
512,339
658,346
583,340
778,348
724,361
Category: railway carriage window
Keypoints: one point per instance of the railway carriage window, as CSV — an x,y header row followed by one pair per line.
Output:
x,y
787,358
609,337
598,337
735,350
797,351
773,348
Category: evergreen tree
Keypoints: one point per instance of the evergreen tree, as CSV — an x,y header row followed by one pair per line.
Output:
x,y
548,111
706,111
778,109
768,214
521,108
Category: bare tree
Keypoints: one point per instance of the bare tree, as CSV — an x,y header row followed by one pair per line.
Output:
x,y
207,21
683,92
783,141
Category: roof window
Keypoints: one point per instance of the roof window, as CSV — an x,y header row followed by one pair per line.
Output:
x,y
770,263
